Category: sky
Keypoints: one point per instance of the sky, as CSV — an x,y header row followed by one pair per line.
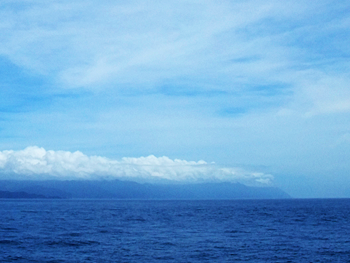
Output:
x,y
249,91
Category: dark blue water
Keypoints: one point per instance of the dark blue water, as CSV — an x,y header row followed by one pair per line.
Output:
x,y
175,231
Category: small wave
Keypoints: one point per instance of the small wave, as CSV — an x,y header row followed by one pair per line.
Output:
x,y
9,242
136,219
72,243
8,229
75,234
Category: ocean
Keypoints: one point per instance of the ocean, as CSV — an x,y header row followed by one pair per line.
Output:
x,y
289,230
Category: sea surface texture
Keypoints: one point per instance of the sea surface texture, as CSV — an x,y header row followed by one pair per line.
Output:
x,y
175,231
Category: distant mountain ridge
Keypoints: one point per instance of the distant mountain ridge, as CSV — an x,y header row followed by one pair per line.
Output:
x,y
116,189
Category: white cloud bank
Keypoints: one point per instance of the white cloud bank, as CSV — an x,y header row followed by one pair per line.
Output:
x,y
37,163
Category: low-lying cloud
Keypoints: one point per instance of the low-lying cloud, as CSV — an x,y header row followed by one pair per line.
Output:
x,y
34,163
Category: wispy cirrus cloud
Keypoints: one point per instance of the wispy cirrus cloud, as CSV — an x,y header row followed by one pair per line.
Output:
x,y
194,48
84,44
37,163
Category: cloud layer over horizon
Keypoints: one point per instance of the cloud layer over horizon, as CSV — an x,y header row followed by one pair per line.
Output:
x,y
34,163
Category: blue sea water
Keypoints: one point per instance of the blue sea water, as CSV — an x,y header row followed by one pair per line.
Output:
x,y
296,230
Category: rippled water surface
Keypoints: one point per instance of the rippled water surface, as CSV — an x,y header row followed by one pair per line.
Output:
x,y
175,231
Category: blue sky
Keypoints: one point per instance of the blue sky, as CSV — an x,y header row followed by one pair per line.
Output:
x,y
260,87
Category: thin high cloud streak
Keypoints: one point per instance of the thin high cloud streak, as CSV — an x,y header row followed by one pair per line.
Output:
x,y
37,163
88,44
231,46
